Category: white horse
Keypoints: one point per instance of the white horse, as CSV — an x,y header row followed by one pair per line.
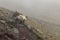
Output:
x,y
22,18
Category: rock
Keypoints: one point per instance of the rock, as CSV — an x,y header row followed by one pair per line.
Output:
x,y
15,30
29,27
2,21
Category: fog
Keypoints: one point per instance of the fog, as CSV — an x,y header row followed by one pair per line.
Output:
x,y
46,10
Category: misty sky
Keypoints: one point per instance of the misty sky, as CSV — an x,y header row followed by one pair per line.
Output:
x,y
47,10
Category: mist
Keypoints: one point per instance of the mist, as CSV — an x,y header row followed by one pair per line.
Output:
x,y
46,10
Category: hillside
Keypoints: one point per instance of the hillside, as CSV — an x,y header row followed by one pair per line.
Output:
x,y
10,30
32,29
51,31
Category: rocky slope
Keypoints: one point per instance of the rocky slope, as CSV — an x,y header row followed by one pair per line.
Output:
x,y
10,30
